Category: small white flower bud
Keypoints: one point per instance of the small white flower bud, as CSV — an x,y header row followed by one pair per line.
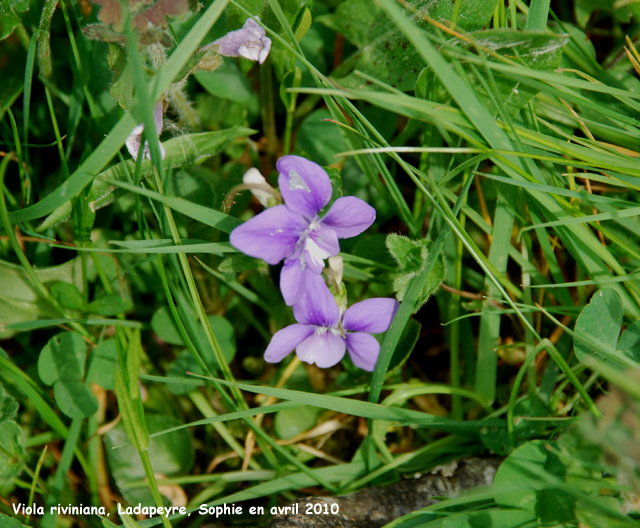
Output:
x,y
336,265
252,177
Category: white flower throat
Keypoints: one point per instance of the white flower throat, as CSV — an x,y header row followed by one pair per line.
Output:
x,y
308,246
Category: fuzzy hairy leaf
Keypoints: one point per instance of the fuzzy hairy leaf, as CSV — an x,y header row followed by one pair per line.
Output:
x,y
122,84
412,257
12,455
384,52
8,406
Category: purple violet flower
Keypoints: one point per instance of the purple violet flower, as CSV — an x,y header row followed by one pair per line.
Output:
x,y
294,231
323,333
249,42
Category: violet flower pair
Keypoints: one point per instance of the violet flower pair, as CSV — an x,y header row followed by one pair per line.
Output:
x,y
296,233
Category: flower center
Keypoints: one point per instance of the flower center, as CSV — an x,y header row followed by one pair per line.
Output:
x,y
307,246
321,330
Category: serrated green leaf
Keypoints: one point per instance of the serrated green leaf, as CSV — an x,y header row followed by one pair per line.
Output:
x,y
8,406
122,84
12,455
385,53
411,255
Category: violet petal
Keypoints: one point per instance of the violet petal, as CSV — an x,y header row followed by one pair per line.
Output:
x,y
305,186
316,306
293,280
271,235
323,349
372,316
285,341
364,350
349,216
249,42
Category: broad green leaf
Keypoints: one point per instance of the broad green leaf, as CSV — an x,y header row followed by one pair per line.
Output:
x,y
320,140
496,439
11,12
292,422
75,399
584,9
182,151
629,343
171,454
536,50
110,305
10,522
20,300
103,364
385,53
530,408
225,334
68,295
192,185
184,363
475,14
513,485
228,82
12,455
600,320
165,328
63,358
